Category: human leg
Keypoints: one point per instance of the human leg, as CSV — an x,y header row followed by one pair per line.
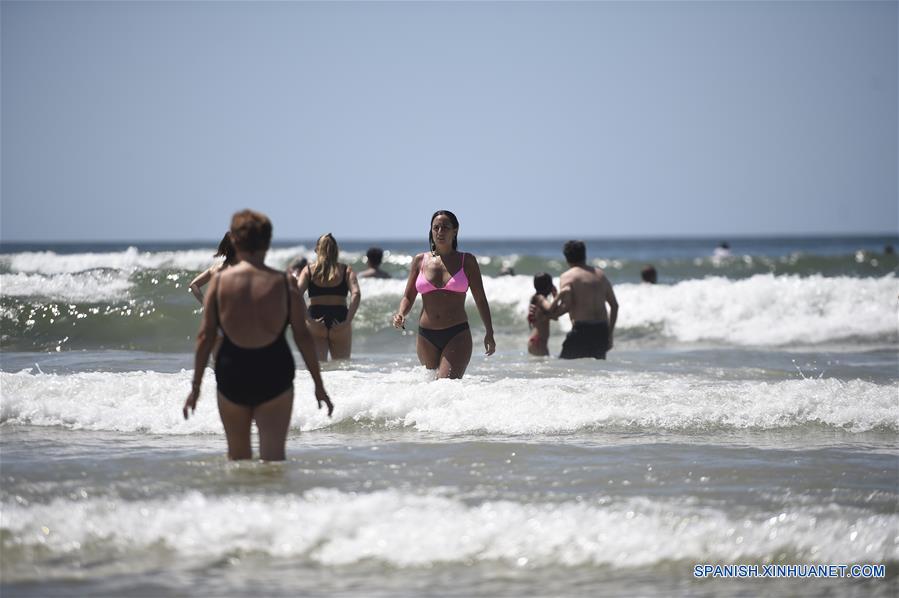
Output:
x,y
273,420
319,333
237,420
455,356
340,341
428,354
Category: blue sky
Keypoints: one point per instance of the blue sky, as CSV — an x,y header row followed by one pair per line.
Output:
x,y
156,120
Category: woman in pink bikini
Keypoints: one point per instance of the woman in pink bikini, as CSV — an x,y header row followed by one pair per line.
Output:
x,y
443,277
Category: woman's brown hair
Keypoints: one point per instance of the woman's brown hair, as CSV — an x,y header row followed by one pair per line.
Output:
x,y
251,231
226,250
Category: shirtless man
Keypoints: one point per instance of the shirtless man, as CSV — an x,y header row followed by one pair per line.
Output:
x,y
584,292
374,256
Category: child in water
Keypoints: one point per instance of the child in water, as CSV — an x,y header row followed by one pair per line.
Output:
x,y
538,314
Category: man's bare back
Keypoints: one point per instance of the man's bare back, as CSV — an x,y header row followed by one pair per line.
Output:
x,y
584,292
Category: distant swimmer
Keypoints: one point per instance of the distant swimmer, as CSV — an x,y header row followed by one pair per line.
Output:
x,y
538,314
443,276
723,250
296,266
507,270
889,250
584,292
374,256
649,274
226,250
328,282
253,305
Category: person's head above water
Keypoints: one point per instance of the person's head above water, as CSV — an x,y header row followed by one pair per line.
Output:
x,y
649,274
543,283
226,249
251,231
444,225
297,264
326,253
374,256
575,252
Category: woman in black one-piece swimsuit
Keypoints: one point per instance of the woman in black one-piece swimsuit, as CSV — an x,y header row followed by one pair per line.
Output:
x,y
253,304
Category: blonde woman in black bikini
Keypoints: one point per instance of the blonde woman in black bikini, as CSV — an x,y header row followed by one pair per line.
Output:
x,y
443,276
329,318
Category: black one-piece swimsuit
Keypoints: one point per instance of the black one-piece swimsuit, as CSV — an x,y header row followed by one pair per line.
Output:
x,y
251,377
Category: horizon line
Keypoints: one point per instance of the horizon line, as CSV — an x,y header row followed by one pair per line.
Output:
x,y
498,239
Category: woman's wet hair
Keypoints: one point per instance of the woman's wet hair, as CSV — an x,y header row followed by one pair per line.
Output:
x,y
374,255
226,249
326,252
251,231
543,283
453,220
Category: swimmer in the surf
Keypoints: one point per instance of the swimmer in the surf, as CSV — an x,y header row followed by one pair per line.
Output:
x,y
226,250
538,314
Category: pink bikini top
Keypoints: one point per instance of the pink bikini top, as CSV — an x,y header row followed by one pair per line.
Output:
x,y
458,283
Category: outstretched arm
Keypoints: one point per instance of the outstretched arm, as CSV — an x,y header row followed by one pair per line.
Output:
x,y
200,281
305,344
204,345
408,300
476,283
560,304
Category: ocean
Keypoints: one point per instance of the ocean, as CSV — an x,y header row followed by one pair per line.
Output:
x,y
747,415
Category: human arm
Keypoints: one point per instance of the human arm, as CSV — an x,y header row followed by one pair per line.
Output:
x,y
561,303
408,300
613,309
476,284
205,343
355,296
305,344
201,280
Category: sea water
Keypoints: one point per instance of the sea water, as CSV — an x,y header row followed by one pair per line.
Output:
x,y
748,414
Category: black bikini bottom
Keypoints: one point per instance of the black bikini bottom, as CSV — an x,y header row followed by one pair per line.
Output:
x,y
332,314
250,377
440,338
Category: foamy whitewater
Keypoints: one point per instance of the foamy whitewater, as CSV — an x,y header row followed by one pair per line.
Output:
x,y
748,414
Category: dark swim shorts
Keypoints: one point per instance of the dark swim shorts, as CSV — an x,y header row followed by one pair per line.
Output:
x,y
586,339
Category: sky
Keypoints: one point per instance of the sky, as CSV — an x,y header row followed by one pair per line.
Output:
x,y
157,120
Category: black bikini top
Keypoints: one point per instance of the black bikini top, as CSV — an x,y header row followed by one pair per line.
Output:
x,y
339,290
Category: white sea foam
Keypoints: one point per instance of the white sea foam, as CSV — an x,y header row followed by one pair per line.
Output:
x,y
91,286
152,402
410,530
130,260
766,309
